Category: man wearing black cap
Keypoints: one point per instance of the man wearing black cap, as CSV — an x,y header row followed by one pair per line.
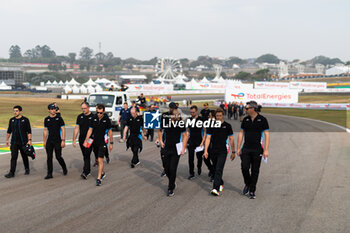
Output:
x,y
254,128
165,118
54,139
142,100
100,130
83,123
19,127
205,112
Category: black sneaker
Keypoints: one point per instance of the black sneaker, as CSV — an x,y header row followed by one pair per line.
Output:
x,y
199,171
132,165
10,175
65,171
84,176
245,190
27,172
103,176
95,164
163,174
170,193
49,176
191,177
98,182
107,160
252,195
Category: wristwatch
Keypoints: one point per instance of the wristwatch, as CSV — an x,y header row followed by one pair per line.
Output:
x,y
233,152
111,143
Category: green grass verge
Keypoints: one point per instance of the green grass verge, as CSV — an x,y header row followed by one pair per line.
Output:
x,y
338,117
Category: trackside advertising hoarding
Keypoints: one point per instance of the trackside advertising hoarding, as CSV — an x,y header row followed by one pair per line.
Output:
x,y
271,85
308,85
261,95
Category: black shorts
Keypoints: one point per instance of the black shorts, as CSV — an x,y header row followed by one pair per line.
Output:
x,y
100,150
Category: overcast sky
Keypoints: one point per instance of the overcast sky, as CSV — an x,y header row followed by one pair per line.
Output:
x,y
144,29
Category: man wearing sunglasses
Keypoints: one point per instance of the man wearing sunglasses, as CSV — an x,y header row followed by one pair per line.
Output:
x,y
254,128
54,139
19,127
100,130
84,121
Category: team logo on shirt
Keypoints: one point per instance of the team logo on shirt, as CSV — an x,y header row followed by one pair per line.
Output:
x,y
151,120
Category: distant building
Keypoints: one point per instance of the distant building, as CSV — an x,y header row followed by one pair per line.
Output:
x,y
11,75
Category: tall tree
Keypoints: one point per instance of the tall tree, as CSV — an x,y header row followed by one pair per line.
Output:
x,y
15,52
268,58
86,54
72,58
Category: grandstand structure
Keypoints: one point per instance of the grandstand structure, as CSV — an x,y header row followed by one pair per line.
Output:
x,y
12,76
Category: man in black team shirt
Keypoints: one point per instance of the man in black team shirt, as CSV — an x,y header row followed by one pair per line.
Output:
x,y
54,139
19,127
142,100
218,137
173,134
100,129
253,128
135,124
205,112
83,123
196,139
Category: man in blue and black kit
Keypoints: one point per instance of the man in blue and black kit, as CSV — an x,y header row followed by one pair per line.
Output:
x,y
19,127
124,115
54,139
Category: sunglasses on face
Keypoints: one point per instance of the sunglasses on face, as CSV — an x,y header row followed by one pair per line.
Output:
x,y
99,112
248,108
52,108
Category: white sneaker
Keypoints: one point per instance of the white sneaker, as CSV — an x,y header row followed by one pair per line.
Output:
x,y
221,188
214,192
121,140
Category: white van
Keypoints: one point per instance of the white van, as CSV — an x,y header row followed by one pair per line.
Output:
x,y
113,102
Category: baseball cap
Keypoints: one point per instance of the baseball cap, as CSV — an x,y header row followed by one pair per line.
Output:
x,y
172,105
51,106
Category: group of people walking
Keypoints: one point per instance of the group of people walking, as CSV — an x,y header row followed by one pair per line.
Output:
x,y
209,143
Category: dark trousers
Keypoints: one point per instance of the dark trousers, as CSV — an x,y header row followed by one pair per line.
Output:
x,y
135,153
209,164
171,161
235,115
219,159
229,115
14,155
250,160
162,157
191,153
150,133
122,126
50,147
86,156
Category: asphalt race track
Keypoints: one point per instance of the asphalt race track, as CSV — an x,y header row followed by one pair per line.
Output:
x,y
304,187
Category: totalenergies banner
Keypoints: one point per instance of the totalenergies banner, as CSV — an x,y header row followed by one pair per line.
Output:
x,y
309,106
271,85
261,95
308,85
149,87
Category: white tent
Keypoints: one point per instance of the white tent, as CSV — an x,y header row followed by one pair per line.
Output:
x,y
221,80
83,89
66,82
338,70
48,83
204,80
194,84
55,83
180,81
91,89
185,78
67,89
216,79
133,77
3,86
103,80
60,83
73,82
115,85
98,88
75,89
90,82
